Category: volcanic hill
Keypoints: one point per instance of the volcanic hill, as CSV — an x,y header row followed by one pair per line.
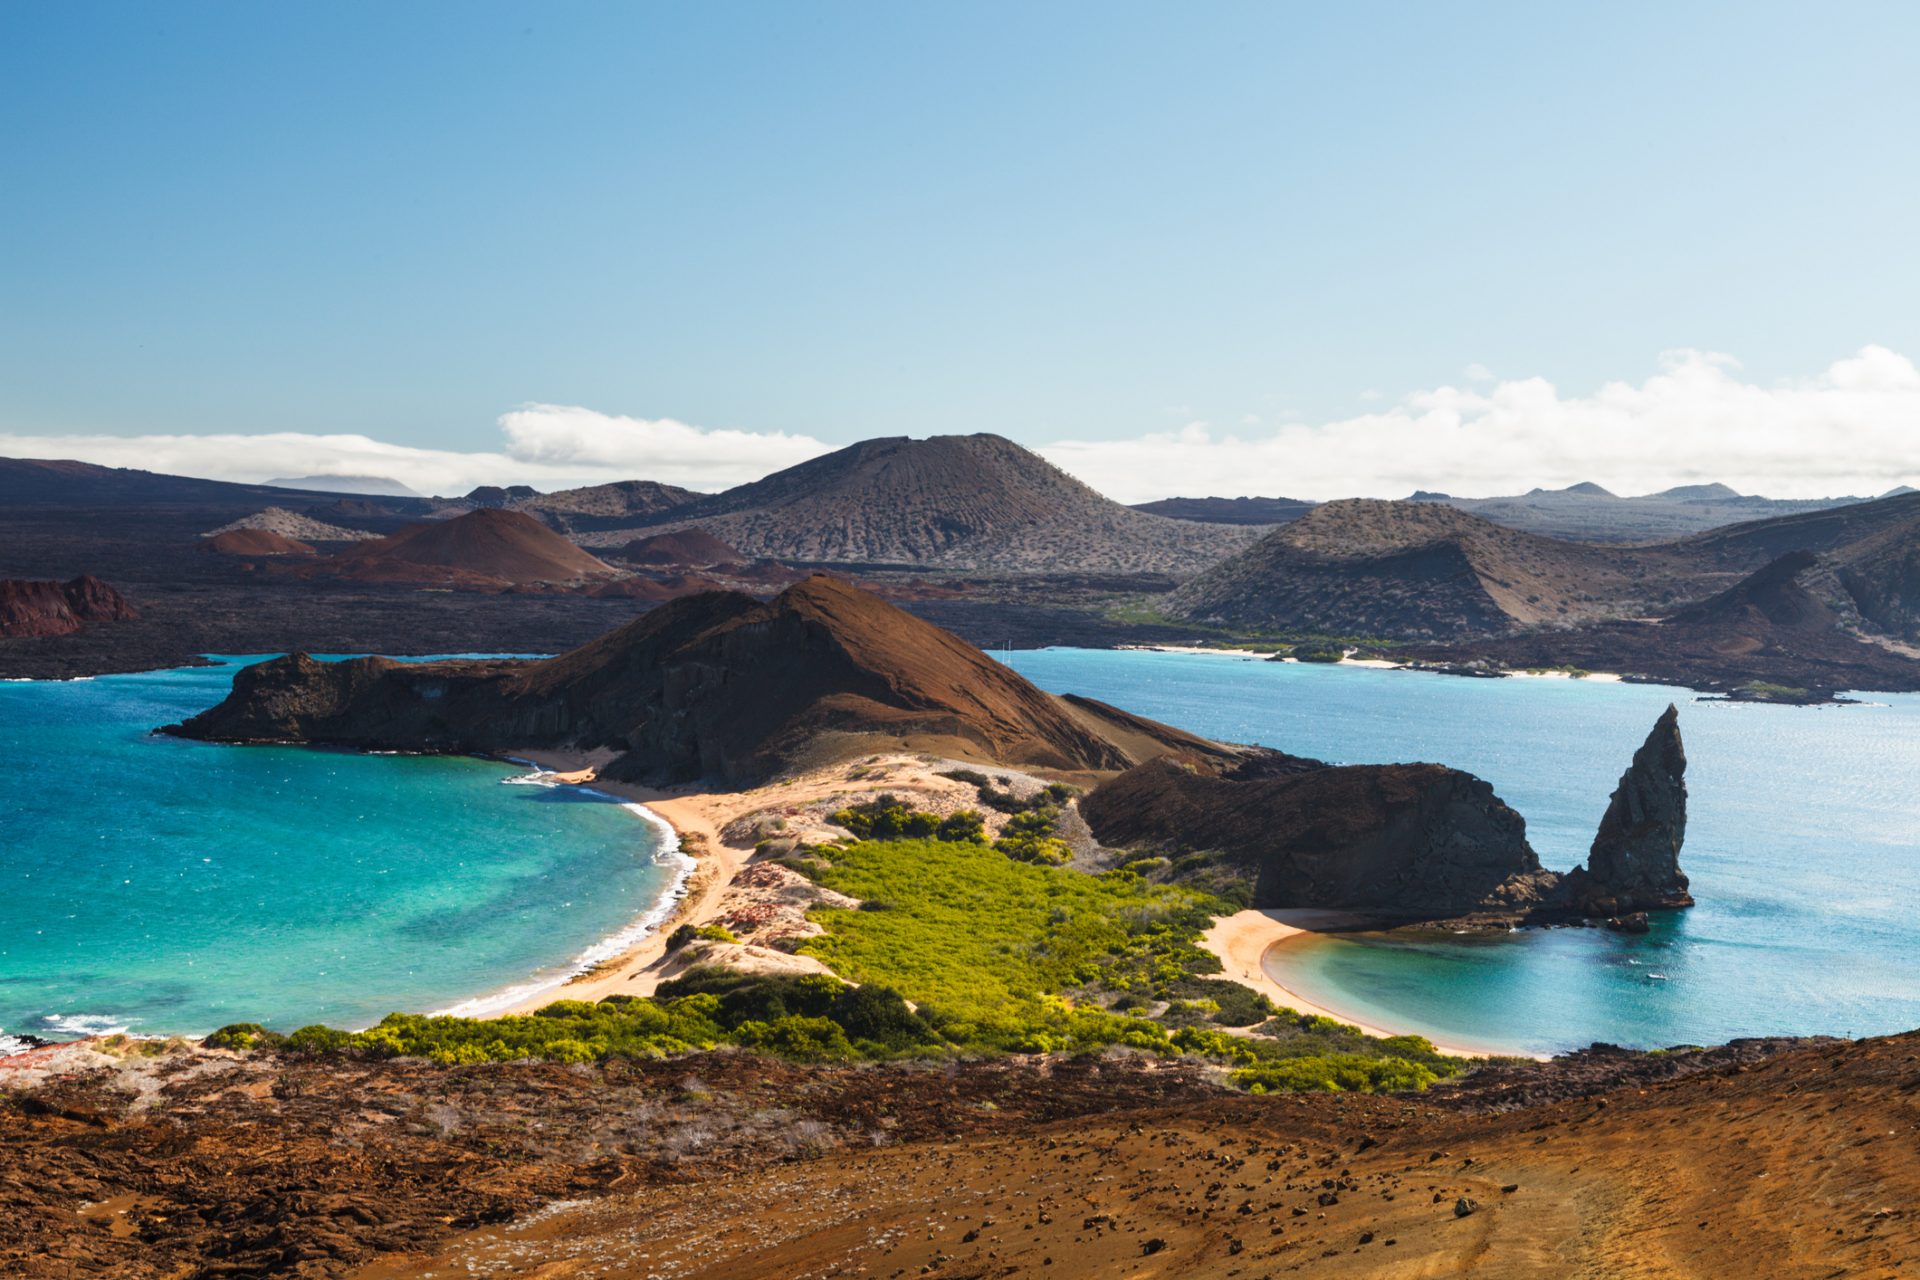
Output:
x,y
253,542
693,547
718,686
604,505
291,524
31,608
975,502
488,547
1421,570
1789,632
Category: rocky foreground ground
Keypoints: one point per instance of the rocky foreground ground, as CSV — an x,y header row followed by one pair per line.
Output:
x,y
1775,1158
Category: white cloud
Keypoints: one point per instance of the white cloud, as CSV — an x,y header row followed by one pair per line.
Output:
x,y
547,446
1477,372
1855,428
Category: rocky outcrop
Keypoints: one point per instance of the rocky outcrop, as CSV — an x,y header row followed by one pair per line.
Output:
x,y
34,608
717,686
1634,864
1399,843
1403,842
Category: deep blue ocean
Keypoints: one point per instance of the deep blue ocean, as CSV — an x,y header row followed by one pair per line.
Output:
x,y
163,886
1803,845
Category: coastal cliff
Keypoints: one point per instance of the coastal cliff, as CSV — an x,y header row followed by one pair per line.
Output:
x,y
1403,843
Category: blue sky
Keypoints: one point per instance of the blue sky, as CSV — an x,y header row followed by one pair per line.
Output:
x,y
1065,223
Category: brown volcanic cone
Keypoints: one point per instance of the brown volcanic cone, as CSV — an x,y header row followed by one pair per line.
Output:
x,y
716,685
255,542
488,544
694,547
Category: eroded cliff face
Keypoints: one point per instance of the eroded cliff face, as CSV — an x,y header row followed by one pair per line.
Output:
x,y
1634,864
1404,843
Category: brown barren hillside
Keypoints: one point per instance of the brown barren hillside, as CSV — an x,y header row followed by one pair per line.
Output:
x,y
1424,570
1775,1160
1873,549
963,502
1789,632
695,547
484,545
40,609
717,685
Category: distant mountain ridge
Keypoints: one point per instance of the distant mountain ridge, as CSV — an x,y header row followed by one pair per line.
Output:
x,y
372,486
1584,512
1229,510
1587,512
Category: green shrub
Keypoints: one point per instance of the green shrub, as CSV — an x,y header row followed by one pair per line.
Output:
x,y
243,1036
886,818
1339,1072
802,1039
1030,836
691,933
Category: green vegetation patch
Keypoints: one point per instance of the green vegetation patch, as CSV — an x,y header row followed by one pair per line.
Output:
x,y
957,948
973,932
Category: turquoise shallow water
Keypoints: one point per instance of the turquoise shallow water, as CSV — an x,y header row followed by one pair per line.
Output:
x,y
1803,845
169,886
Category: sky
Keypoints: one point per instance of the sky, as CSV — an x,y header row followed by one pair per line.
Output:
x,y
1221,248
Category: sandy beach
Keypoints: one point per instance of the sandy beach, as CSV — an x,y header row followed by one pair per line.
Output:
x,y
715,887
1243,940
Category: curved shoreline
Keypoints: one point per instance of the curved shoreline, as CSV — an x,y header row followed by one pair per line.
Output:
x,y
540,990
1242,942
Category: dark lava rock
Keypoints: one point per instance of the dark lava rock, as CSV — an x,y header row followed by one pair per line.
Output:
x,y
1634,864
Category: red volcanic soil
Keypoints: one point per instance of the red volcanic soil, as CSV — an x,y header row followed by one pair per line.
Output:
x,y
482,548
1763,1160
255,542
29,608
694,547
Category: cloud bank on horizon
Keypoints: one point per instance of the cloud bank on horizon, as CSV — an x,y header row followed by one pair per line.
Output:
x,y
1850,429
